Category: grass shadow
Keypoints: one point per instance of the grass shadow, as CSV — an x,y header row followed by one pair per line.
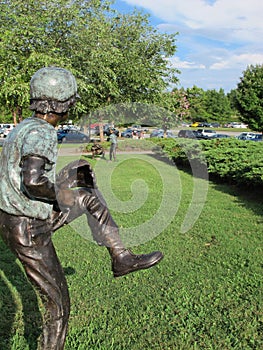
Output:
x,y
250,198
247,196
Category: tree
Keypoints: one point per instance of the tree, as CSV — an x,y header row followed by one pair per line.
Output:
x,y
173,109
164,115
133,68
209,105
115,58
31,36
143,72
217,106
196,97
249,97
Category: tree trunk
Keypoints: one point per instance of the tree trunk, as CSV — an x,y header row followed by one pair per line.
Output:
x,y
14,114
17,115
20,117
101,131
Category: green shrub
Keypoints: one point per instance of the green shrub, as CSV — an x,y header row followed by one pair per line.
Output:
x,y
231,160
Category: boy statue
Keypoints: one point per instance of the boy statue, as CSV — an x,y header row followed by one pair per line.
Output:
x,y
35,202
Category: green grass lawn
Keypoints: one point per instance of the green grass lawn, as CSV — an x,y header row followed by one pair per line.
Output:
x,y
205,294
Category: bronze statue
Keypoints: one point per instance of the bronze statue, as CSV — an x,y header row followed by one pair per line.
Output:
x,y
35,202
97,150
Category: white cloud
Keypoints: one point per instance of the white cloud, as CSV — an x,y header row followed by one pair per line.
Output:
x,y
235,61
238,15
178,63
217,39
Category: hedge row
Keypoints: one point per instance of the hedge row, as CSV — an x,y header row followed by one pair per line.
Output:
x,y
231,160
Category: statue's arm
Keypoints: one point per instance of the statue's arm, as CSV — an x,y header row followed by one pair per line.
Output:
x,y
35,182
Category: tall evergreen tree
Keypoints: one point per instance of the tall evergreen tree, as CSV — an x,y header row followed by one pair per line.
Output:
x,y
217,106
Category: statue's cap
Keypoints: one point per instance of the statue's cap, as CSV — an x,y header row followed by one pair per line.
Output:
x,y
53,83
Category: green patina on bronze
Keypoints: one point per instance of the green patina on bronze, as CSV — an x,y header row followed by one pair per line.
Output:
x,y
33,136
52,83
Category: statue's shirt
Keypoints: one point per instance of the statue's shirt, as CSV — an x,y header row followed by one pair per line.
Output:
x,y
32,137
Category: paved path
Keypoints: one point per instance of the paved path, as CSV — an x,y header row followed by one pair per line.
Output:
x,y
76,151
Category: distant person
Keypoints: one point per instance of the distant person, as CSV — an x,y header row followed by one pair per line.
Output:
x,y
35,202
141,134
135,134
113,144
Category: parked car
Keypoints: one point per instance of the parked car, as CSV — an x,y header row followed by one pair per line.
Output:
x,y
107,131
246,136
188,134
68,127
206,132
185,125
72,136
204,125
236,125
6,128
195,124
219,136
157,133
140,128
257,137
136,127
160,133
200,125
170,134
215,125
127,133
249,136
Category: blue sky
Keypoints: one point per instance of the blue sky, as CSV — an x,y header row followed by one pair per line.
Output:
x,y
217,39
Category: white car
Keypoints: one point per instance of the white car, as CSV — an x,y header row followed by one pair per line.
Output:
x,y
238,125
246,136
206,132
6,129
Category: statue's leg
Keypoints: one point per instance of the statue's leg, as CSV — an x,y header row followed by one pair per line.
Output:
x,y
31,241
89,201
106,233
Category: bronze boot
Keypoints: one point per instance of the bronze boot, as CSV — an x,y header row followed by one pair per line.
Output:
x,y
105,232
125,262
